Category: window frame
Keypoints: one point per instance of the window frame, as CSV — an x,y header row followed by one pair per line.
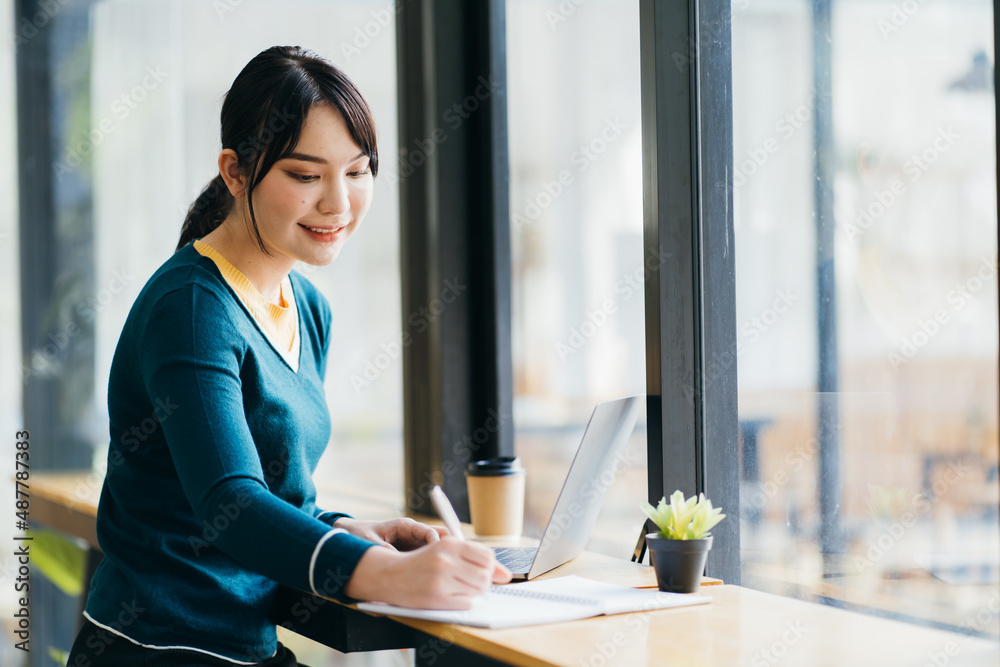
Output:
x,y
690,297
454,226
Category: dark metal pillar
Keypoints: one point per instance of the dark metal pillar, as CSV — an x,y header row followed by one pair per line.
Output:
x,y
455,242
690,297
56,231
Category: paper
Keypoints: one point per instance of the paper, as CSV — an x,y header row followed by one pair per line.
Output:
x,y
548,601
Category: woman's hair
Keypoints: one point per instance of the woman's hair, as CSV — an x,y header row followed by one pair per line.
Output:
x,y
262,118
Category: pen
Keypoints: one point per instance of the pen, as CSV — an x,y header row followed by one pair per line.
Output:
x,y
446,512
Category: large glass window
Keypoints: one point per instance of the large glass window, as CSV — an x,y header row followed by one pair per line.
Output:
x,y
868,357
141,133
577,258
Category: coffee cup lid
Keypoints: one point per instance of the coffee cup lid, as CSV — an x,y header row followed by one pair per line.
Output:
x,y
496,467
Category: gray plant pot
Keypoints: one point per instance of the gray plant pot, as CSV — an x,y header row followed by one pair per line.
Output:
x,y
678,563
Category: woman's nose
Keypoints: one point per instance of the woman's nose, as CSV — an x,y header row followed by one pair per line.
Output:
x,y
335,199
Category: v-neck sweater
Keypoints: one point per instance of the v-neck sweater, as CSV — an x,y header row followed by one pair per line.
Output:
x,y
279,322
208,503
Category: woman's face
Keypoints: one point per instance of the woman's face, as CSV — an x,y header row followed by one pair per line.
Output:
x,y
311,202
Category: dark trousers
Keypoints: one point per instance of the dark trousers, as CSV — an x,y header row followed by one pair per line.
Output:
x,y
120,652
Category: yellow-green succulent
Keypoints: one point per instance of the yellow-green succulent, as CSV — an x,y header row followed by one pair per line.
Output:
x,y
684,518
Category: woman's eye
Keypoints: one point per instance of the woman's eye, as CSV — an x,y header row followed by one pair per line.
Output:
x,y
357,173
305,178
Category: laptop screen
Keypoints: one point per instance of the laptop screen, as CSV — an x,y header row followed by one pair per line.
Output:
x,y
595,466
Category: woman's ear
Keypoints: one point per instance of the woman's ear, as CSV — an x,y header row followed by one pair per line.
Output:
x,y
230,171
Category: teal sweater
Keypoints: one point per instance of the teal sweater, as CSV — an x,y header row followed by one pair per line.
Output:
x,y
209,502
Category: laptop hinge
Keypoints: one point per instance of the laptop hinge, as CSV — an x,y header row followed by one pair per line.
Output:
x,y
640,546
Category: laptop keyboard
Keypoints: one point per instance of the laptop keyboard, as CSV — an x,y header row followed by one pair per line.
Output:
x,y
516,559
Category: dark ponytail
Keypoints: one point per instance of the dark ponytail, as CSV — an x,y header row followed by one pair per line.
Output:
x,y
262,118
207,212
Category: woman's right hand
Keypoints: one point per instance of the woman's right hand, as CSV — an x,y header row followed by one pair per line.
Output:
x,y
446,574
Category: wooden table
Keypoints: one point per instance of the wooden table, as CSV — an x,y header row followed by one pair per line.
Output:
x,y
740,626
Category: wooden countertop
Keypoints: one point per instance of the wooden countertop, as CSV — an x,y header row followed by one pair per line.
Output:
x,y
740,627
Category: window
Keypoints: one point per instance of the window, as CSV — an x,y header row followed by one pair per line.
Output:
x,y
135,108
869,477
576,249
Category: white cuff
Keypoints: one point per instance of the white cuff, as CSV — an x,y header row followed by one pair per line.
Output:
x,y
312,561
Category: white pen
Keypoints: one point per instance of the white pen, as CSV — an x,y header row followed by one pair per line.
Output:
x,y
447,513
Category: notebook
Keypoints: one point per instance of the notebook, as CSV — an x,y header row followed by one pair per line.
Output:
x,y
547,601
597,462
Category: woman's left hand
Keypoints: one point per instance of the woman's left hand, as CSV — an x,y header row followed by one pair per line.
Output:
x,y
400,534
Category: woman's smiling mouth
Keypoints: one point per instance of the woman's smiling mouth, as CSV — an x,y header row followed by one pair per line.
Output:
x,y
324,233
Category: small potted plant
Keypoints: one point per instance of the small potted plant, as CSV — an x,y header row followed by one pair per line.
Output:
x,y
680,548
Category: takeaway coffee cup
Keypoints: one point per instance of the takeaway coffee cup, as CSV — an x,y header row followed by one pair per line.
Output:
x,y
496,496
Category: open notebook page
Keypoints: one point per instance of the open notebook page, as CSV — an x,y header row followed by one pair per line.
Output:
x,y
546,601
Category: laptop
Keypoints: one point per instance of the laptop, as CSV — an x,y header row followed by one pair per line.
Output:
x,y
587,482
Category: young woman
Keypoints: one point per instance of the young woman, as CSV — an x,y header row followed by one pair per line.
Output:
x,y
226,348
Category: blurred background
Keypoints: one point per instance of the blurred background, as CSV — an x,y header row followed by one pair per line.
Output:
x,y
910,173
912,406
